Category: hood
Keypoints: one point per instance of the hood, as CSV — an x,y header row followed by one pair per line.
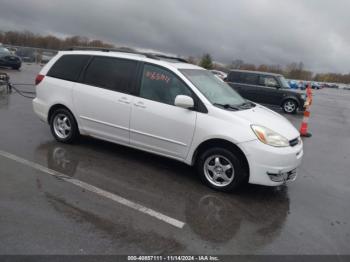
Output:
x,y
297,91
263,116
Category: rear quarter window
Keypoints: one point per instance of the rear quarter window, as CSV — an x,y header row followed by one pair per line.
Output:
x,y
68,67
234,77
250,79
111,73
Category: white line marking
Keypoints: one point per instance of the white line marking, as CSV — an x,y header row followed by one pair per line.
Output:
x,y
123,201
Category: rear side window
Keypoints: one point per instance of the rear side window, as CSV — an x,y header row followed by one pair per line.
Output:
x,y
234,77
243,78
111,73
68,67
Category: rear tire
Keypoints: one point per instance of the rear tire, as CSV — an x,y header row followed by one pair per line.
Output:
x,y
290,106
221,169
64,127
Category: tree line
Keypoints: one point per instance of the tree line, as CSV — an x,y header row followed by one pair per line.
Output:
x,y
30,39
291,71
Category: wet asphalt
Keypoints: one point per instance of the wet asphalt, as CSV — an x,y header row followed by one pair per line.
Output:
x,y
41,214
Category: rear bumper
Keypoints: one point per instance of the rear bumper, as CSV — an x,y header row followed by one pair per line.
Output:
x,y
272,166
40,109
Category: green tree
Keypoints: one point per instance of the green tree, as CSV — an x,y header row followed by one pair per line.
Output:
x,y
206,61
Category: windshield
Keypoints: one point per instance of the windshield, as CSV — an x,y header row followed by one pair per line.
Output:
x,y
214,89
283,82
4,50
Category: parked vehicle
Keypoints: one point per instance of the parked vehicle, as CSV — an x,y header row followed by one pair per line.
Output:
x,y
219,74
27,54
330,85
303,85
293,84
46,57
170,108
9,60
267,88
315,85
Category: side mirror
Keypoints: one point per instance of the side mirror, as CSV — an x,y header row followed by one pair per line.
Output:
x,y
184,101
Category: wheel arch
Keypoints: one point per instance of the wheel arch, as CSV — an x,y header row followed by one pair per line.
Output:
x,y
55,107
290,98
219,142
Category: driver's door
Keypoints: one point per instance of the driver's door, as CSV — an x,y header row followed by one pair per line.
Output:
x,y
269,90
156,124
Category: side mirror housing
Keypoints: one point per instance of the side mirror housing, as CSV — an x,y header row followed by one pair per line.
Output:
x,y
184,101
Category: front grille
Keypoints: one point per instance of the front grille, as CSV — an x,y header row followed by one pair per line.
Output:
x,y
294,142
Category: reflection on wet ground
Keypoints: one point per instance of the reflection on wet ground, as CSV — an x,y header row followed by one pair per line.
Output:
x,y
214,217
151,241
4,99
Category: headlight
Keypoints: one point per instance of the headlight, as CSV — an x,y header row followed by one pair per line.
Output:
x,y
269,137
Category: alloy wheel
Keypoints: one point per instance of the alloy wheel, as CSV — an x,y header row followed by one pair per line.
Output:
x,y
289,106
62,126
218,170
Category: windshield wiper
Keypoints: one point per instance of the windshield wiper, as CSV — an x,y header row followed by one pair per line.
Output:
x,y
227,106
247,104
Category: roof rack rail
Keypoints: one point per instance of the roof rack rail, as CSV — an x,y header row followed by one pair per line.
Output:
x,y
128,51
107,49
165,57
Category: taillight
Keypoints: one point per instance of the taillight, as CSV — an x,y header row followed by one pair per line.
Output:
x,y
38,79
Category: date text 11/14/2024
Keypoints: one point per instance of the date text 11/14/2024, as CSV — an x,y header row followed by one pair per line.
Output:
x,y
173,258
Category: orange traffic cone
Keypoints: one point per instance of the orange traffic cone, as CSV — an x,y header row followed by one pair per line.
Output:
x,y
305,122
309,93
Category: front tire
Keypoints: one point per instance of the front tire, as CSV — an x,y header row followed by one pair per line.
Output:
x,y
221,169
290,106
63,126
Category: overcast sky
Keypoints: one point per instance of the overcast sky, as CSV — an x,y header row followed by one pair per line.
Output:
x,y
316,32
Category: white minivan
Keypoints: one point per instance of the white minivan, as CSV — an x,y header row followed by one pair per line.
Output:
x,y
166,106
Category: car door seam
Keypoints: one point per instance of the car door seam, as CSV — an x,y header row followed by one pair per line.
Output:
x,y
158,137
103,123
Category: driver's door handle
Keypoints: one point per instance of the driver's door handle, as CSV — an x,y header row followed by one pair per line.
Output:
x,y
124,100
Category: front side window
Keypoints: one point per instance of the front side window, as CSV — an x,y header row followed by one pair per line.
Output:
x,y
215,90
68,67
161,85
111,73
268,81
284,82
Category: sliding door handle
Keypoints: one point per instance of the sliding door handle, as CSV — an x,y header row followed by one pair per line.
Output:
x,y
140,104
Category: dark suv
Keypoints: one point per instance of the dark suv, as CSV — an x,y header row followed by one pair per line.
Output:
x,y
9,60
266,88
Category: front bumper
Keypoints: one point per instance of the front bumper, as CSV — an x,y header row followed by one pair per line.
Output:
x,y
272,166
11,63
